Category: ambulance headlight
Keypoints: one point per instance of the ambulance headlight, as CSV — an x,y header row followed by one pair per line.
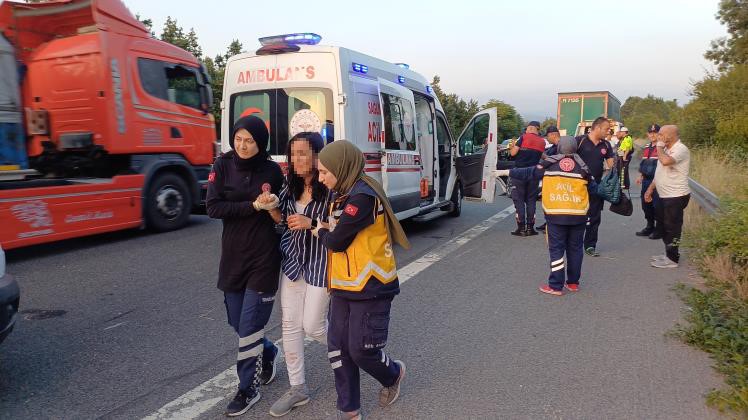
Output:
x,y
304,38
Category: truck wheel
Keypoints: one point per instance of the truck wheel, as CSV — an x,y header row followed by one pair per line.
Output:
x,y
168,203
456,201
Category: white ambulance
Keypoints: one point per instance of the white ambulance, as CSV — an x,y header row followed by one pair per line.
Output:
x,y
389,111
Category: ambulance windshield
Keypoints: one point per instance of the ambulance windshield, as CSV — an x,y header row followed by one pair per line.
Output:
x,y
287,112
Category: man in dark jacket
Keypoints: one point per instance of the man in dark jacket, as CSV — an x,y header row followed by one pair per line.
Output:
x,y
647,169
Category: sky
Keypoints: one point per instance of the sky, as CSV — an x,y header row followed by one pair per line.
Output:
x,y
521,52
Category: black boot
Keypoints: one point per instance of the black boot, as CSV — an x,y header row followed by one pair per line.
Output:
x,y
520,230
657,234
542,227
646,231
530,229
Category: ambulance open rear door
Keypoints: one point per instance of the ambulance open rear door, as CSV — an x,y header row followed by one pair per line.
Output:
x,y
477,156
401,162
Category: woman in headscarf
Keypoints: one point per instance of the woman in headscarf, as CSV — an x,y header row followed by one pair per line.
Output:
x,y
362,277
567,186
242,190
304,201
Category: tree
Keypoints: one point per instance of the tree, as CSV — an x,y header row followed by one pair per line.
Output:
x,y
509,121
458,111
148,23
729,51
547,123
216,69
718,114
639,113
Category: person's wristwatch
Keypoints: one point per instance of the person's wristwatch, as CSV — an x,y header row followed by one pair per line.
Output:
x,y
314,224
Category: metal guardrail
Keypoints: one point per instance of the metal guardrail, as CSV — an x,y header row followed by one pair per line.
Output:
x,y
706,199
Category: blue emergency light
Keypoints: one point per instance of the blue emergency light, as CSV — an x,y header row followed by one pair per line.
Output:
x,y
303,38
428,88
403,65
401,80
360,68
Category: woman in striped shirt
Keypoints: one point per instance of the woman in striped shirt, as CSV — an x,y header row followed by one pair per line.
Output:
x,y
304,202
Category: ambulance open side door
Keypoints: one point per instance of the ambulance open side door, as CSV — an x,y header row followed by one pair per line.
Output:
x,y
401,162
477,156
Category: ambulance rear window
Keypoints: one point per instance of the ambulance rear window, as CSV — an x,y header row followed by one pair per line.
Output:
x,y
287,112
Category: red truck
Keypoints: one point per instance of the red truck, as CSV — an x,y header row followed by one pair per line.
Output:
x,y
102,127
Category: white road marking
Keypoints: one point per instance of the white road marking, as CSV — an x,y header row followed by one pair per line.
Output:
x,y
205,396
115,325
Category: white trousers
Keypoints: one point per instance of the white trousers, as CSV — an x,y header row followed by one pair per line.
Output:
x,y
304,313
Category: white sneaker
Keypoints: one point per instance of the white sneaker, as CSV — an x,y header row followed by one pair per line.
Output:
x,y
666,263
658,257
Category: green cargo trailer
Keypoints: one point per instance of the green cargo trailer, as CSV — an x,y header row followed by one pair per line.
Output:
x,y
580,107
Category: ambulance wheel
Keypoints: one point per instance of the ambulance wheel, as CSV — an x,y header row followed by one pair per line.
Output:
x,y
456,201
168,203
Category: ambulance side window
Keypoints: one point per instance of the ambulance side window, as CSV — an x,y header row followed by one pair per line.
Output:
x,y
442,135
475,137
399,130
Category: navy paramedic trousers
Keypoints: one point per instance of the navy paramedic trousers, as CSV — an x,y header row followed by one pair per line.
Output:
x,y
525,197
248,312
565,240
650,214
358,333
594,216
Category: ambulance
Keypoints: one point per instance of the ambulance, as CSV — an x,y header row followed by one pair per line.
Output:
x,y
388,110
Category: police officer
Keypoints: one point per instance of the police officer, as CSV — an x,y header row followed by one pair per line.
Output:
x,y
647,169
527,151
362,277
567,188
552,135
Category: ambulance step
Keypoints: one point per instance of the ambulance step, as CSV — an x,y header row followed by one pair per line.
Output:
x,y
430,216
17,174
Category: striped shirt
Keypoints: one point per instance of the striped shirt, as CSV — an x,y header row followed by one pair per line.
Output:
x,y
303,254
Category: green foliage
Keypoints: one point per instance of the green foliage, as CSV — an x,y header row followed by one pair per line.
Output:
x,y
510,122
547,123
726,234
729,51
174,34
458,111
639,113
718,115
718,325
148,23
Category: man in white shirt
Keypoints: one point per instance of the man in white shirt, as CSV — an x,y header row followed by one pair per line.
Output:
x,y
671,182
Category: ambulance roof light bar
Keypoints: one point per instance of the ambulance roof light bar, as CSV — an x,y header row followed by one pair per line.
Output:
x,y
302,38
403,65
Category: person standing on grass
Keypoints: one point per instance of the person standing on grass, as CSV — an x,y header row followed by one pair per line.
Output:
x,y
647,169
596,152
362,278
303,285
671,184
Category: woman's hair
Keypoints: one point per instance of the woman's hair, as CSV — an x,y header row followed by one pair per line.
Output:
x,y
295,182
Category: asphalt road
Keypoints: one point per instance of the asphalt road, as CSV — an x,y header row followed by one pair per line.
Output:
x,y
118,325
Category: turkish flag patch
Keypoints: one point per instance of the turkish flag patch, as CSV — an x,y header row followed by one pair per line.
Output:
x,y
212,177
351,210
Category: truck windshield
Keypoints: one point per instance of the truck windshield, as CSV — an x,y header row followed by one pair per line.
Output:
x,y
287,112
